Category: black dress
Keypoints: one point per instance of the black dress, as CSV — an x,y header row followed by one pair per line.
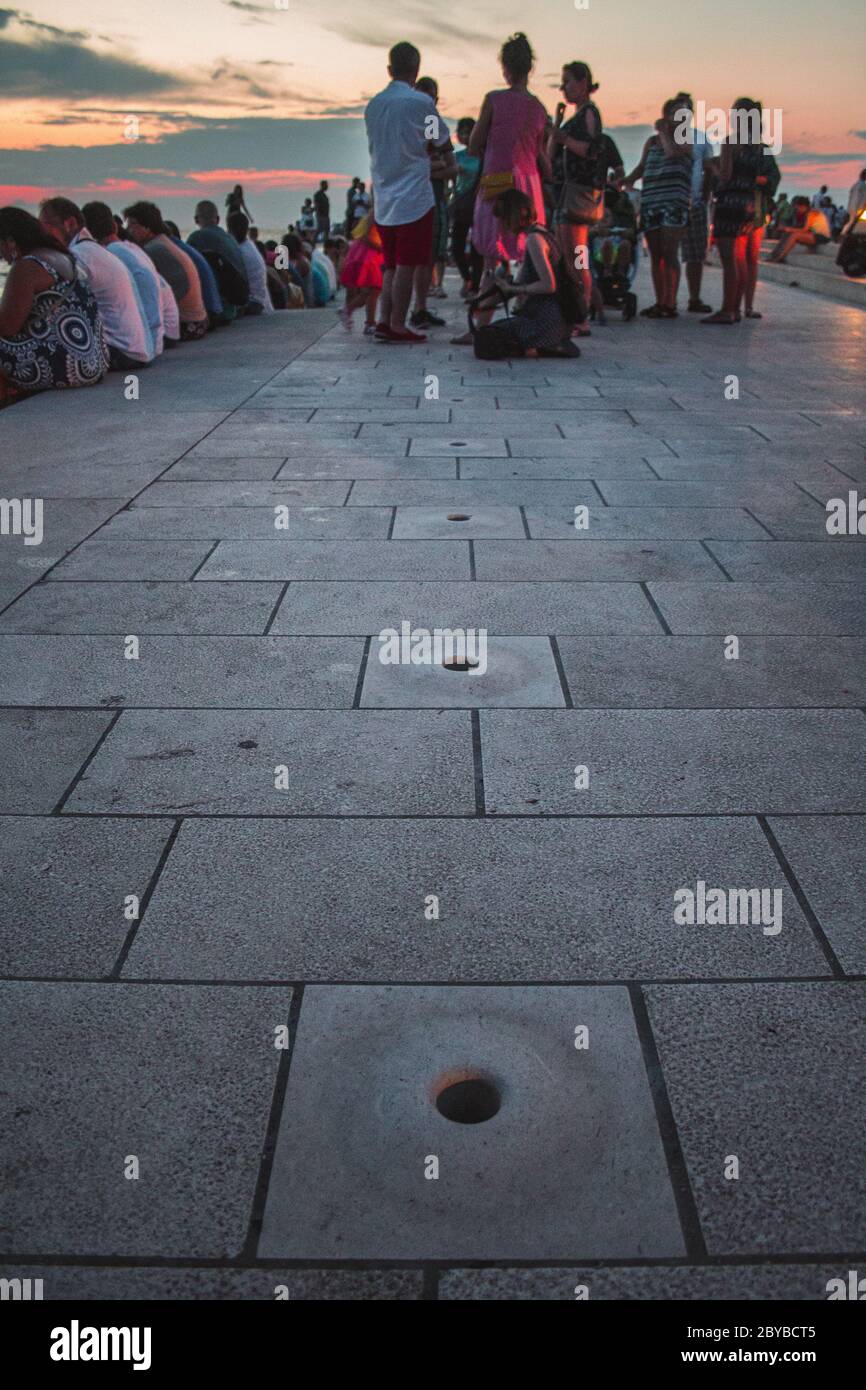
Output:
x,y
735,200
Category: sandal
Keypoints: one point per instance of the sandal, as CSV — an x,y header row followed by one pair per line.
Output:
x,y
668,313
720,316
753,314
465,340
654,311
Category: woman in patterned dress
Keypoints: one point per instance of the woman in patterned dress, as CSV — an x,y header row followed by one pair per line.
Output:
x,y
51,333
666,170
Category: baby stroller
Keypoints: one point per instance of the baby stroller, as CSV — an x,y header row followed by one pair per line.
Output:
x,y
613,265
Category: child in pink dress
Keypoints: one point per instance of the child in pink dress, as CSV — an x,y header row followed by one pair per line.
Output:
x,y
362,274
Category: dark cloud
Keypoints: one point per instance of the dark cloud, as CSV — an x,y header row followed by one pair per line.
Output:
x,y
418,22
7,16
57,67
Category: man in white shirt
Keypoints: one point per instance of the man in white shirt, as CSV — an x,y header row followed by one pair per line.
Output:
x,y
100,223
818,198
693,247
402,126
127,331
254,264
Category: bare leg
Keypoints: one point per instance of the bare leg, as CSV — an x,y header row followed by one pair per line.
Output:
x,y
385,298
372,300
421,280
730,277
670,240
400,295
753,256
655,250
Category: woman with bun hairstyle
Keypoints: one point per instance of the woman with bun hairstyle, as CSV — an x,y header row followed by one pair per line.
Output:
x,y
509,136
574,147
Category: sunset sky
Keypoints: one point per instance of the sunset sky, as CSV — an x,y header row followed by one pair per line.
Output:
x,y
269,93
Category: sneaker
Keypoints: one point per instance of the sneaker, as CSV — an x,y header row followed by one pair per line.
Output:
x,y
422,318
405,335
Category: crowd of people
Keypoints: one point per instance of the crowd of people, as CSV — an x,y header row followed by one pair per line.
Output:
x,y
90,291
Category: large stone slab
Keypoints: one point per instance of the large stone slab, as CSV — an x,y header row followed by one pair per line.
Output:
x,y
180,1078
221,762
338,560
143,608
644,523
769,1073
62,889
518,672
251,523
628,466
791,609
505,609
572,1161
683,672
106,557
595,560
826,854
749,493
457,496
42,750
328,899
355,465
750,562
198,1284
443,523
244,494
673,762
198,672
623,1283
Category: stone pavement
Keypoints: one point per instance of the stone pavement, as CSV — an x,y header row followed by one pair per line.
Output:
x,y
279,919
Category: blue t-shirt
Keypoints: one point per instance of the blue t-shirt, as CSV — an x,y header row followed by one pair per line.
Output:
x,y
320,286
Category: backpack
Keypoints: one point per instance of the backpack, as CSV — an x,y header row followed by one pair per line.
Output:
x,y
494,341
233,286
568,296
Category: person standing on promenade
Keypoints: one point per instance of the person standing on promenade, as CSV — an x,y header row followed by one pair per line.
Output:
x,y
402,124
741,169
693,249
510,136
665,169
127,332
51,332
322,205
580,157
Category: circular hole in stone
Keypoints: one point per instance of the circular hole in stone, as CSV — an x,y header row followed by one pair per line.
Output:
x,y
457,516
467,1099
454,664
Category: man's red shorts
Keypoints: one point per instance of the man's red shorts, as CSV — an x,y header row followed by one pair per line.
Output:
x,y
409,243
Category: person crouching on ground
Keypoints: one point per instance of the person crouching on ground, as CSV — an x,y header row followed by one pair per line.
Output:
x,y
538,323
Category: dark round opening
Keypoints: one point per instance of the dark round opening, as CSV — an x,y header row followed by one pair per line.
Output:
x,y
457,516
455,665
469,1102
458,444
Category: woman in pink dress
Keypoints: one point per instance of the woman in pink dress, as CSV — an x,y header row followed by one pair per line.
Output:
x,y
510,133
